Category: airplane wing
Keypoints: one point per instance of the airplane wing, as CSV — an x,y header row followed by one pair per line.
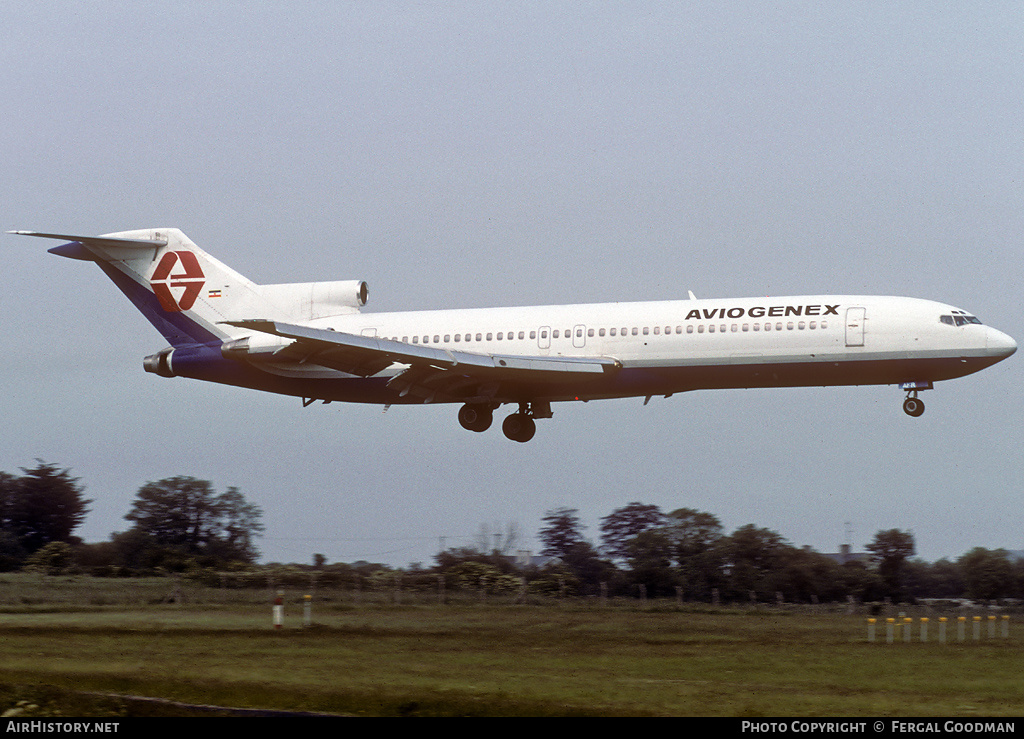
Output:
x,y
430,371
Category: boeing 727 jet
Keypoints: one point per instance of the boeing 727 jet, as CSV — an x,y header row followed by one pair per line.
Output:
x,y
311,340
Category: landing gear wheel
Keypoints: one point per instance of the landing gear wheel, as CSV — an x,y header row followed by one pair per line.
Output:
x,y
519,427
913,407
475,417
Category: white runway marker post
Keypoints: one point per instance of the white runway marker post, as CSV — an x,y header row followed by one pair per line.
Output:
x,y
279,610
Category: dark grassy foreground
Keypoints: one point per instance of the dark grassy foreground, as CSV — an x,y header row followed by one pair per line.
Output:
x,y
480,659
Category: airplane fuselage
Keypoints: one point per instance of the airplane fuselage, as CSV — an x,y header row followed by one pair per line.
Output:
x,y
667,347
312,341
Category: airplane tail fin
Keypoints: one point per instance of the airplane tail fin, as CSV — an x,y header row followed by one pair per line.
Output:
x,y
188,295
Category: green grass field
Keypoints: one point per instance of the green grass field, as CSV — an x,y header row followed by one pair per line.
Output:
x,y
372,657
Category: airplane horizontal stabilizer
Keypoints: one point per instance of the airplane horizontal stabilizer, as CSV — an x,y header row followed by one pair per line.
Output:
x,y
101,241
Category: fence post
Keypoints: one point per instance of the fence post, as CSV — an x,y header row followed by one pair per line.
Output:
x,y
279,609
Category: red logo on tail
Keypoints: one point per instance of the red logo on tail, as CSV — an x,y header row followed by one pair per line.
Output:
x,y
192,280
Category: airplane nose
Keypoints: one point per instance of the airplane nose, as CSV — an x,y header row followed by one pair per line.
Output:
x,y
999,344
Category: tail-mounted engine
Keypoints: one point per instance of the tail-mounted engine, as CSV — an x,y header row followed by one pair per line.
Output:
x,y
311,300
160,363
255,347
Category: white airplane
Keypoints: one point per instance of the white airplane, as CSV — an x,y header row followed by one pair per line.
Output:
x,y
310,340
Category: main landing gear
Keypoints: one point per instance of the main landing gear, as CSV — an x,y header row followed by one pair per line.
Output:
x,y
476,417
914,406
519,426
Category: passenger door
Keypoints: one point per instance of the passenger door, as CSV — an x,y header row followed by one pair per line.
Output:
x,y
855,318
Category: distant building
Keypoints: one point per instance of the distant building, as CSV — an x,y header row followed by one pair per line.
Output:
x,y
845,555
524,558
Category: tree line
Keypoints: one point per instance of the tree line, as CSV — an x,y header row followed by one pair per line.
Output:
x,y
687,553
178,524
182,524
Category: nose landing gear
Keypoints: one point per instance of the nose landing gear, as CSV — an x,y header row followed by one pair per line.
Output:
x,y
914,406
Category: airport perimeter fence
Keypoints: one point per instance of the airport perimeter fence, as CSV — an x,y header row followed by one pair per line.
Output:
x,y
388,589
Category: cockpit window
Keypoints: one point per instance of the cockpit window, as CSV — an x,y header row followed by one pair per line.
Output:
x,y
959,319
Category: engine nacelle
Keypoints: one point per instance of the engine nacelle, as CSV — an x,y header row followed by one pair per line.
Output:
x,y
310,300
159,363
255,347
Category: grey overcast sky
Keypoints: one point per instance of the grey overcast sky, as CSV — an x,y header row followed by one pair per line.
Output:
x,y
465,154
